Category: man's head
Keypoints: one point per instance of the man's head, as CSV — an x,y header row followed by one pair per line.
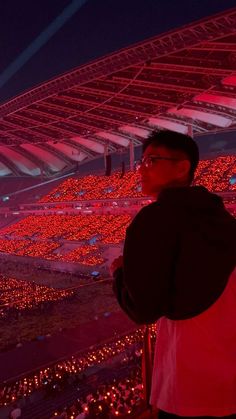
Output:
x,y
169,160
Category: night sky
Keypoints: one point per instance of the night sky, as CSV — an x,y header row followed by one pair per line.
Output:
x,y
97,28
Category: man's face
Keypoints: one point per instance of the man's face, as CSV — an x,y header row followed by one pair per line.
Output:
x,y
157,175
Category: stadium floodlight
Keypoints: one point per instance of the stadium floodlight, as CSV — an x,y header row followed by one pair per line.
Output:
x,y
210,118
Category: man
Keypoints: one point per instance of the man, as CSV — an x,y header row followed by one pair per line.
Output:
x,y
178,268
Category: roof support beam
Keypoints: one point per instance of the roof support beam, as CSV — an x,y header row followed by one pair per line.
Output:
x,y
178,67
40,163
12,166
91,154
57,153
131,155
189,36
215,46
207,117
125,110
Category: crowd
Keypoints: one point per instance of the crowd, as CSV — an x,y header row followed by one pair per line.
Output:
x,y
25,320
47,229
42,274
42,232
214,174
17,296
70,370
27,247
120,398
69,227
42,236
107,187
86,255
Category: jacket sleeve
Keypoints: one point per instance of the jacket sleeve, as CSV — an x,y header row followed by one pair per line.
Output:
x,y
143,286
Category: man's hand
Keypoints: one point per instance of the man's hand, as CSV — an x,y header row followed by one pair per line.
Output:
x,y
117,263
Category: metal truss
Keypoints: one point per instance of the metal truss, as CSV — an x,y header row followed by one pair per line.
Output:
x,y
89,153
179,67
47,147
9,163
34,159
206,30
126,88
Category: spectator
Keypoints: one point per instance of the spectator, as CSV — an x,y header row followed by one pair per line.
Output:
x,y
16,412
81,415
179,269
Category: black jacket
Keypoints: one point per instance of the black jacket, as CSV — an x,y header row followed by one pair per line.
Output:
x,y
178,255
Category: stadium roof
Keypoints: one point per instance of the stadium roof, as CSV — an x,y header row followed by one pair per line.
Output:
x,y
183,80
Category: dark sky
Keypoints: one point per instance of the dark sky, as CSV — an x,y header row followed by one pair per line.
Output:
x,y
99,27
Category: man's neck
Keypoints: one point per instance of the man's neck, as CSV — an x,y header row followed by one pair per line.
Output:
x,y
172,185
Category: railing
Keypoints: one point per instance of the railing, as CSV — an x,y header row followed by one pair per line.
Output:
x,y
99,206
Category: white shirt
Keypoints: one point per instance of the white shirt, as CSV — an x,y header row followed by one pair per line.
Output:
x,y
195,361
80,416
16,413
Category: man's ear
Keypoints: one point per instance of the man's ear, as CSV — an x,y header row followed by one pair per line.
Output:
x,y
183,168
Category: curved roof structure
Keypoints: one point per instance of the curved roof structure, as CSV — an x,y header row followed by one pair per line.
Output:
x,y
183,80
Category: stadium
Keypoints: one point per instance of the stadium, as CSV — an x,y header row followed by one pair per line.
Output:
x,y
69,188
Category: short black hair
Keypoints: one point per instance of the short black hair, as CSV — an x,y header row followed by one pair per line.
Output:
x,y
177,142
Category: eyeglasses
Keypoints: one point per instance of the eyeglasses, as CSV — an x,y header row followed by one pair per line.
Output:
x,y
148,161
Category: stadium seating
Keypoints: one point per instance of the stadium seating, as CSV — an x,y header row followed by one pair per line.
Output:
x,y
37,236
211,173
43,235
17,295
71,367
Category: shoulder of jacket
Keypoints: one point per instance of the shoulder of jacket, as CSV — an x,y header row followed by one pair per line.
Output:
x,y
147,211
153,212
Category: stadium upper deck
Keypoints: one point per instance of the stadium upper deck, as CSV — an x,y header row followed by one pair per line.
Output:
x,y
183,80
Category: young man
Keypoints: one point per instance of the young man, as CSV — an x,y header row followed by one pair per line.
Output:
x,y
178,267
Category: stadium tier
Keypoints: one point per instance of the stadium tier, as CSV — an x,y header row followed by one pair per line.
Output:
x,y
18,296
43,236
51,236
96,187
214,174
70,227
